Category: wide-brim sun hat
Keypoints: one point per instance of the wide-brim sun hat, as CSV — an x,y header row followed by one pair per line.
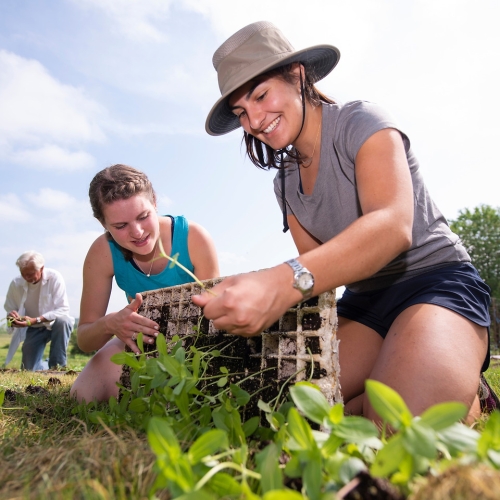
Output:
x,y
251,51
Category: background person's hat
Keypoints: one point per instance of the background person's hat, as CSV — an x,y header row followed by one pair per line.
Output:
x,y
251,51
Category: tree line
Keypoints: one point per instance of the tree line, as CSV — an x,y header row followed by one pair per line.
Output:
x,y
479,230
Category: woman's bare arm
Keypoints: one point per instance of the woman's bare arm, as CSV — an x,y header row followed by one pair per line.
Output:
x,y
246,304
202,252
95,327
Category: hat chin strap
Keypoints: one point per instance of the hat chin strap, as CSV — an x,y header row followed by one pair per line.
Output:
x,y
283,150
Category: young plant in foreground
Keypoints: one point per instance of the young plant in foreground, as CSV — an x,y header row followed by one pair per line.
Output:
x,y
174,262
310,449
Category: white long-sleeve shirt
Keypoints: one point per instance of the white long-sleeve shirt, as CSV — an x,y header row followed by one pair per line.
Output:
x,y
53,303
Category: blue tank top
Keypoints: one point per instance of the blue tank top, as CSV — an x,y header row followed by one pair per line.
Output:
x,y
133,281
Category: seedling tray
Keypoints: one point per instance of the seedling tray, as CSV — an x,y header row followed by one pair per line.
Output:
x,y
301,345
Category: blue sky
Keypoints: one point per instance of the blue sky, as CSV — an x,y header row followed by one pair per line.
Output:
x,y
88,83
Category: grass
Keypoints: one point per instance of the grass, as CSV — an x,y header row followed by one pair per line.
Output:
x,y
75,361
48,453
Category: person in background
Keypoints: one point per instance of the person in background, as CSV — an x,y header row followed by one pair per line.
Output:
x,y
38,312
124,202
414,314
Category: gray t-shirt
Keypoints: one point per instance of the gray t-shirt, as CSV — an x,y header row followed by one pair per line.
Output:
x,y
334,203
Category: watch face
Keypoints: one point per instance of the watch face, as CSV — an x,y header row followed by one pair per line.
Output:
x,y
305,281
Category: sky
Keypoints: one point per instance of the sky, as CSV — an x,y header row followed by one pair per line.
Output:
x,y
85,84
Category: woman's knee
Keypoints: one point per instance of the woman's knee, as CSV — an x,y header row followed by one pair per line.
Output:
x,y
97,381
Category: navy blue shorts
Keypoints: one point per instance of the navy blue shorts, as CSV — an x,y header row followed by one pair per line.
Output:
x,y
457,287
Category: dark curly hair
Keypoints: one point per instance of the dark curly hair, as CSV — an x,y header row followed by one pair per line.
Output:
x,y
264,156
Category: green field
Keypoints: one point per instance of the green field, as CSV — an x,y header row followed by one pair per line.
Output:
x,y
51,451
75,361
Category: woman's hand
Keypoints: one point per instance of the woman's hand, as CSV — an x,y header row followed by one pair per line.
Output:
x,y
127,324
247,304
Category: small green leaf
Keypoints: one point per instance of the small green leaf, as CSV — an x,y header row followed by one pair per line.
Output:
x,y
161,344
195,366
224,486
125,358
113,403
268,466
276,420
206,445
162,439
179,387
222,382
388,404
293,467
312,479
336,413
124,402
459,439
282,495
331,445
356,429
389,457
173,262
310,401
250,426
405,472
443,415
182,402
420,440
138,405
180,355
140,341
172,366
205,416
264,406
241,396
219,419
223,370
300,430
490,437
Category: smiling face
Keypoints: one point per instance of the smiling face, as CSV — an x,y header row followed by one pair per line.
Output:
x,y
31,274
270,109
133,223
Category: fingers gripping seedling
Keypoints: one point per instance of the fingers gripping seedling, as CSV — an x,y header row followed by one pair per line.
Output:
x,y
21,319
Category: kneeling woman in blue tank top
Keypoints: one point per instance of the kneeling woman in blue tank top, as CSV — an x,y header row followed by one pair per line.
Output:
x,y
124,202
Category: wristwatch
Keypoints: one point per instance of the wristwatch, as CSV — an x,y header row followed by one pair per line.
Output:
x,y
303,280
38,320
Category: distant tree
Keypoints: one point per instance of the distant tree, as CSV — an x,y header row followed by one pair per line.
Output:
x,y
479,230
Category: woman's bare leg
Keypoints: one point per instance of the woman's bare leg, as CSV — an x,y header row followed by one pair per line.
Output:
x,y
431,355
97,381
358,351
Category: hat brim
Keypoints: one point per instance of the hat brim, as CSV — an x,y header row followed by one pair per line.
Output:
x,y
321,59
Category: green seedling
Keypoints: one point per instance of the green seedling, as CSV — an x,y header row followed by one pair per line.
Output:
x,y
11,320
175,262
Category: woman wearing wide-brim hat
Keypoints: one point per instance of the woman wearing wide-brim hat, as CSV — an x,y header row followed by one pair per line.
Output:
x,y
415,312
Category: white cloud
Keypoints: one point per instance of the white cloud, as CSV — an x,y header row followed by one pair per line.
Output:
x,y
52,199
36,107
12,210
139,21
44,122
52,157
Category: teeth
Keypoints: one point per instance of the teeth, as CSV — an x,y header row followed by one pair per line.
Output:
x,y
272,126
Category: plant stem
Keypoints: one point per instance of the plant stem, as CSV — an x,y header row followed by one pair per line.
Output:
x,y
177,263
